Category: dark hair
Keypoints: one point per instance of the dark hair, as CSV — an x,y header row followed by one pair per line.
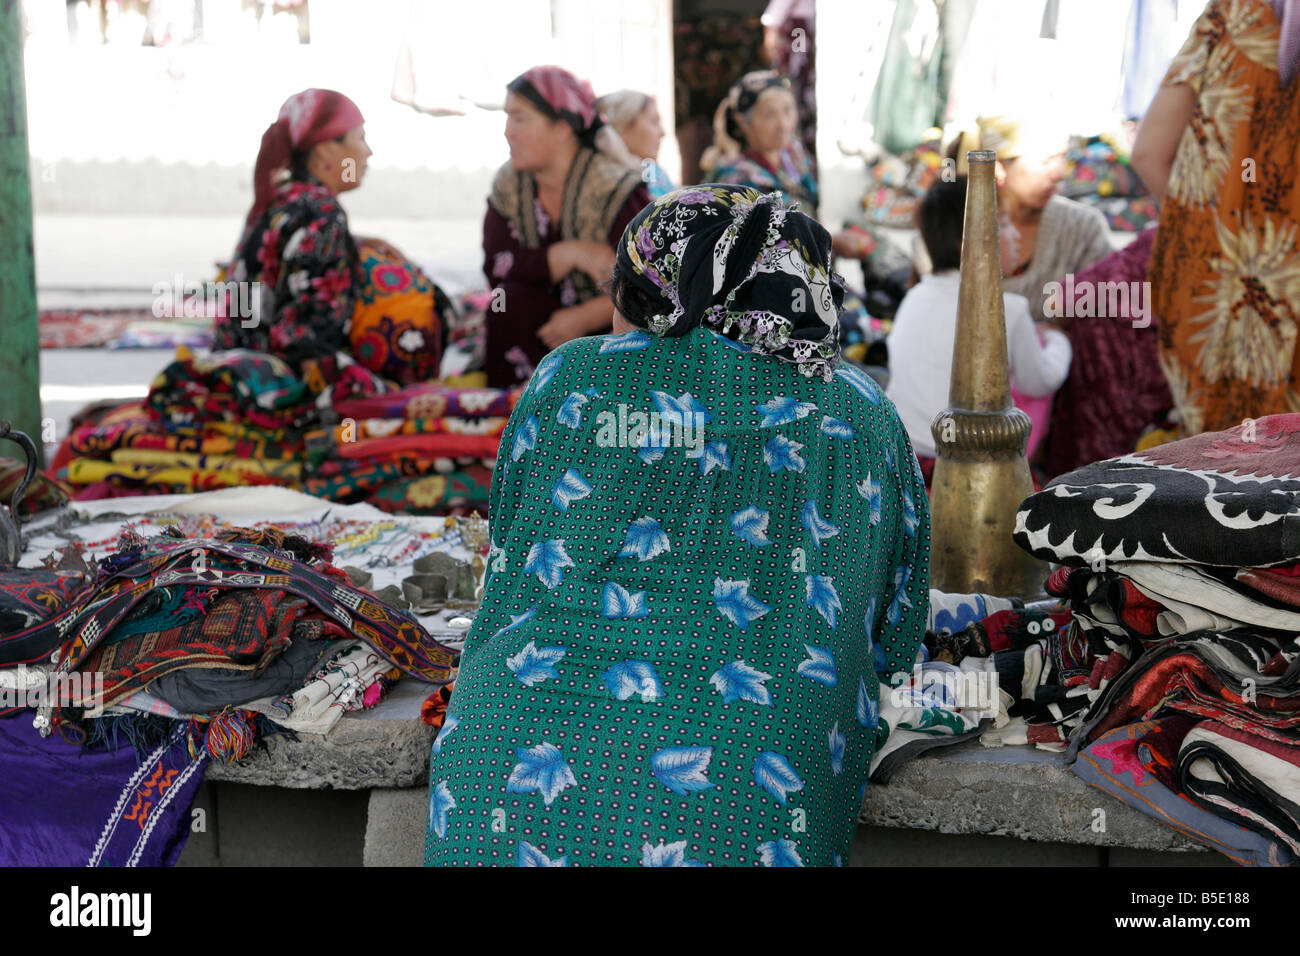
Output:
x,y
636,303
298,161
940,216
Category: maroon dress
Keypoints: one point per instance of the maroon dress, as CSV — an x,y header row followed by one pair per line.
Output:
x,y
516,236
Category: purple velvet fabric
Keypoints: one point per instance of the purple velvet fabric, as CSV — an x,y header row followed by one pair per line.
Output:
x,y
64,806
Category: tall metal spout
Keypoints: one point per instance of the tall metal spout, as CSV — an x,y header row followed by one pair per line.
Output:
x,y
981,474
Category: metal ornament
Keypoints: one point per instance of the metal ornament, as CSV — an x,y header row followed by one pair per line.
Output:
x,y
981,474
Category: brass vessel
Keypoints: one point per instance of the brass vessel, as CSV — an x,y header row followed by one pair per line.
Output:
x,y
980,474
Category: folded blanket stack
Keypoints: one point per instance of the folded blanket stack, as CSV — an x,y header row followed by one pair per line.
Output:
x,y
235,418
424,449
243,418
183,650
1181,568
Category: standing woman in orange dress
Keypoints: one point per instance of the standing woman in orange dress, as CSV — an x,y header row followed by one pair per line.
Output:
x,y
1219,149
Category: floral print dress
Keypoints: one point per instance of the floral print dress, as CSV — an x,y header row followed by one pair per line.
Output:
x,y
304,261
1225,268
701,559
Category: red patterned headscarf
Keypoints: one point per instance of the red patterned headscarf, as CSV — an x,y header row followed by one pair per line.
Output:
x,y
305,119
561,95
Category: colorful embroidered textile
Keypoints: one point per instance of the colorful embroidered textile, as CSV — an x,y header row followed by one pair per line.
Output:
x,y
132,427
386,480
161,479
630,574
1203,675
432,401
439,445
234,386
166,561
1224,499
85,328
256,470
62,805
1280,584
26,599
400,319
1112,764
461,492
244,629
1225,270
357,431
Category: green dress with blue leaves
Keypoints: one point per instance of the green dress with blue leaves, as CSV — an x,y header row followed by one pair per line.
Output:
x,y
675,661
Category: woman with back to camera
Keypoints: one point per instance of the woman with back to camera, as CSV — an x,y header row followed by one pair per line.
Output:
x,y
708,536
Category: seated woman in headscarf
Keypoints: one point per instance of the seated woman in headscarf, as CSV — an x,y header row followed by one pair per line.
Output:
x,y
708,537
327,298
756,141
556,210
1043,235
635,117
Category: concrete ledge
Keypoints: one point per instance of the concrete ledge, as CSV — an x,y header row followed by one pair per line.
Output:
x,y
384,747
968,790
1011,791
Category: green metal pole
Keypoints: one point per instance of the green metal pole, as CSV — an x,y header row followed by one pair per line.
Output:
x,y
20,360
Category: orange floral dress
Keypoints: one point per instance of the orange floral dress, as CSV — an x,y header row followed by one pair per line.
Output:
x,y
1225,268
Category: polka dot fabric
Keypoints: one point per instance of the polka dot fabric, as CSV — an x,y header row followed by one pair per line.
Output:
x,y
675,661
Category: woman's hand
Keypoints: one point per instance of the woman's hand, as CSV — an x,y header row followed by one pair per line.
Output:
x,y
595,259
565,324
562,258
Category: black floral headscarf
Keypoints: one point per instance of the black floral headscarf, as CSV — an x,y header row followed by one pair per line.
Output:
x,y
746,264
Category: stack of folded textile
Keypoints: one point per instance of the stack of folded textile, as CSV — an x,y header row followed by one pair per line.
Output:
x,y
1180,566
243,418
182,650
235,418
422,449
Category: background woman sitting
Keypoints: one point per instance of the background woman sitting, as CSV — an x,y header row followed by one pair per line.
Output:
x,y
756,141
556,210
635,117
325,294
